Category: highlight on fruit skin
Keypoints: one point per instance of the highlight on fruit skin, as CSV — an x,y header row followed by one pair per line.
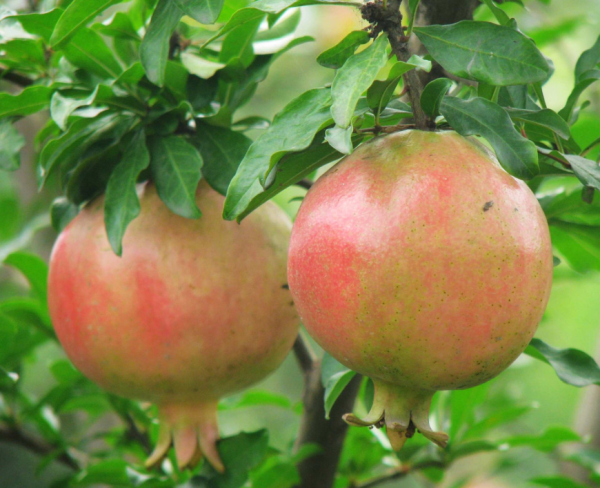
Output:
x,y
193,311
419,262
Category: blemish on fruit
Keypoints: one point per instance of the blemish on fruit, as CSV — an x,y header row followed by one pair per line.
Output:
x,y
488,205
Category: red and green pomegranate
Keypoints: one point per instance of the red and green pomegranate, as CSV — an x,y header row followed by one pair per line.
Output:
x,y
420,263
193,311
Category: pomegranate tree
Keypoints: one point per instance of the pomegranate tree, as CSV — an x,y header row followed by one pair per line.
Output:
x,y
419,262
193,311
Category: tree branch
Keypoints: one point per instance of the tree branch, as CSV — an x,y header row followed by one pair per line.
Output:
x,y
36,445
15,78
304,354
387,18
319,471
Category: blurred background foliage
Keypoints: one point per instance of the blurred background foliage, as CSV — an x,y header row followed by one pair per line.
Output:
x,y
562,29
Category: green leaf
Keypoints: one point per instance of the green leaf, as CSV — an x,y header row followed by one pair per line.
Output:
x,y
293,129
175,166
61,213
200,67
239,454
255,398
544,118
433,94
122,204
66,149
586,170
31,100
222,151
584,81
336,56
340,139
204,11
335,377
34,269
111,472
556,482
290,169
588,60
478,116
578,244
87,50
238,43
352,79
39,24
572,366
496,419
119,27
547,442
154,50
380,93
11,142
61,107
77,15
501,15
281,29
467,448
485,52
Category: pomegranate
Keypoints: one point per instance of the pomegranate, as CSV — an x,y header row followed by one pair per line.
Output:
x,y
193,311
419,262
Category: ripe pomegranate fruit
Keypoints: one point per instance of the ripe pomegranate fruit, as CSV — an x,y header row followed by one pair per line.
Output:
x,y
419,262
193,311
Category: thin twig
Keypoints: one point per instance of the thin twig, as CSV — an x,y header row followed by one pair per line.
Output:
x,y
15,78
555,158
136,434
39,446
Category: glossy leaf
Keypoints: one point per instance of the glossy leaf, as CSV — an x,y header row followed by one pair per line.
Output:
x,y
175,166
336,56
154,50
238,43
61,107
240,454
87,50
281,28
352,79
340,139
62,212
588,60
544,118
34,269
77,15
293,129
120,27
40,24
204,11
579,244
501,16
485,52
31,100
11,143
584,81
556,482
433,94
122,204
335,377
290,169
478,116
380,92
586,170
200,67
572,366
222,151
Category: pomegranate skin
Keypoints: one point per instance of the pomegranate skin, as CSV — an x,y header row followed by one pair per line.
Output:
x,y
192,311
419,262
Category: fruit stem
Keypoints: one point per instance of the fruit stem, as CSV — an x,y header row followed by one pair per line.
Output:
x,y
193,430
403,411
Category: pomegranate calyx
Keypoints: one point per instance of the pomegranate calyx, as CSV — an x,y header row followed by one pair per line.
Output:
x,y
193,431
402,410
